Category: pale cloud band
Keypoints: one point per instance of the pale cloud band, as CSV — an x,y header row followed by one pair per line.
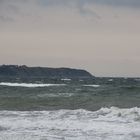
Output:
x,y
8,8
130,3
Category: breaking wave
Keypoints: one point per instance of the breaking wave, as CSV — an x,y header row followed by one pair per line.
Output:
x,y
107,123
92,86
29,84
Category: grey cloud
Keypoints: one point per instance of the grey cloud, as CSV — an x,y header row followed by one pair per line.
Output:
x,y
87,12
13,7
1,1
7,11
130,3
8,8
6,19
80,5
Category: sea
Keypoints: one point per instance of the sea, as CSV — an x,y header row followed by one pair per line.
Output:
x,y
81,109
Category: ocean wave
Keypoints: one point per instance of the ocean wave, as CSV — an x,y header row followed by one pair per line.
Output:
x,y
29,84
92,86
107,123
117,114
56,95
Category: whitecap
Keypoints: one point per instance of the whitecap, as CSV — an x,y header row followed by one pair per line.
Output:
x,y
92,86
110,80
66,79
28,84
56,95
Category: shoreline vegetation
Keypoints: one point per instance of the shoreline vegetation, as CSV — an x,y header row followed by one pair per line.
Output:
x,y
25,71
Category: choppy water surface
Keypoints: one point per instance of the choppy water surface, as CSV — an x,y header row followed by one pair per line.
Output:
x,y
70,111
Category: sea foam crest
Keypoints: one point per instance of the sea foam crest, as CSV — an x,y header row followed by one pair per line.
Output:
x,y
107,123
114,113
28,84
92,86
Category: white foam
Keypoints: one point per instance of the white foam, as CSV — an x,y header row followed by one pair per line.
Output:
x,y
92,86
105,124
66,79
28,84
110,80
56,95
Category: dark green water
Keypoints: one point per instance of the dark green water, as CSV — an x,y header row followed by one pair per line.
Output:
x,y
123,93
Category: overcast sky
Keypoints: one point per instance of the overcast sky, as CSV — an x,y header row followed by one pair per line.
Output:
x,y
101,36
